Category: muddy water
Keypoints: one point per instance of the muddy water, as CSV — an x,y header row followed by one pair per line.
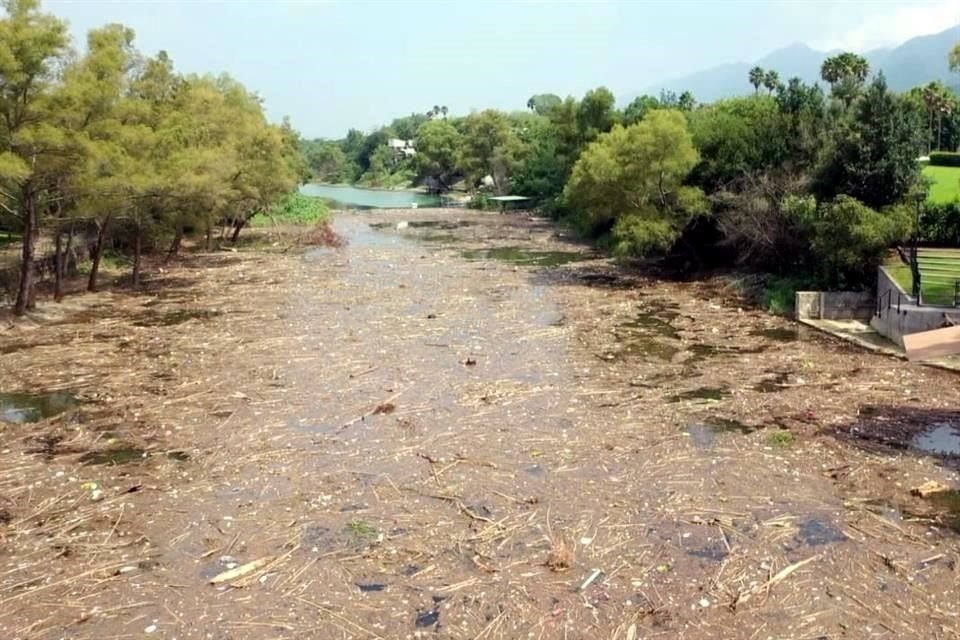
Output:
x,y
407,440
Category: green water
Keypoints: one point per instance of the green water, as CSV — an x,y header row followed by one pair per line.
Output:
x,y
347,197
518,255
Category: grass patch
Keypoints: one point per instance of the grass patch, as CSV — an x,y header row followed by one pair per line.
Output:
x,y
944,183
295,208
781,439
933,291
780,294
361,529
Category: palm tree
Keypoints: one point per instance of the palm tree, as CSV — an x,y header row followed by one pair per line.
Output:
x,y
846,73
771,80
444,111
756,79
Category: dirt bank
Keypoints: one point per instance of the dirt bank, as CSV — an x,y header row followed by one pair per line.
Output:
x,y
469,428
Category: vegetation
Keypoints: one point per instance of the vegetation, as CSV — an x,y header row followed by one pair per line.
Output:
x,y
115,149
294,208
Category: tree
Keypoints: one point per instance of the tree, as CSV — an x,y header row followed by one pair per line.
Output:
x,y
489,147
953,59
32,45
638,108
438,143
850,239
845,72
771,81
596,113
875,157
630,181
736,137
542,103
757,77
686,102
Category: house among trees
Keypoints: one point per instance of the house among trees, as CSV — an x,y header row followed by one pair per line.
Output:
x,y
403,149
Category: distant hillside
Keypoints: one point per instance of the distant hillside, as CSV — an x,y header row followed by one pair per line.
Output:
x,y
917,61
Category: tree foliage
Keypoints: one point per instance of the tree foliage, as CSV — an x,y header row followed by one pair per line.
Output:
x,y
631,179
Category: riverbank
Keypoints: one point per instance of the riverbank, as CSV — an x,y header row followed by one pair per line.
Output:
x,y
471,426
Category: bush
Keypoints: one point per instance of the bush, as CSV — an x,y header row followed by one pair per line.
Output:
x,y
945,159
850,240
480,200
295,208
940,223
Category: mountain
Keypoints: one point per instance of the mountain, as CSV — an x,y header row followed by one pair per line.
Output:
x,y
916,61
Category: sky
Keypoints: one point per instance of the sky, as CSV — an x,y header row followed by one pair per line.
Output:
x,y
335,65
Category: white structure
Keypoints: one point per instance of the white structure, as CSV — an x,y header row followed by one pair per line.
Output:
x,y
402,148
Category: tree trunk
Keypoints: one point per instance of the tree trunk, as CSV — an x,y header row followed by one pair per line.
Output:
x,y
237,227
59,258
25,289
136,256
97,254
209,234
175,245
939,130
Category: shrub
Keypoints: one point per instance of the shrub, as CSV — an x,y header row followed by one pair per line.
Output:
x,y
945,159
940,223
850,240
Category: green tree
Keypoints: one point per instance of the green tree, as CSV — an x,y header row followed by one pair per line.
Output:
x,y
596,113
850,240
736,137
438,143
875,158
32,45
953,59
845,72
771,81
631,180
489,147
638,108
542,103
757,77
686,101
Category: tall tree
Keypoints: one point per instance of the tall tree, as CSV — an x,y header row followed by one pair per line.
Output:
x,y
757,77
437,143
845,72
32,45
771,81
953,59
875,159
638,108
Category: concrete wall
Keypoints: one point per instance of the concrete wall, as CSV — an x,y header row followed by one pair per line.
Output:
x,y
834,305
898,315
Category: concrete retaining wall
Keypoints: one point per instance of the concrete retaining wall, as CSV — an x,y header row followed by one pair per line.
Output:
x,y
834,305
898,315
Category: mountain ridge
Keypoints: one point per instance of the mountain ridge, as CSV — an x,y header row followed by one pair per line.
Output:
x,y
917,61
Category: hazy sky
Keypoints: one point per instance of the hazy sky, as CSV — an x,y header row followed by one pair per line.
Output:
x,y
335,65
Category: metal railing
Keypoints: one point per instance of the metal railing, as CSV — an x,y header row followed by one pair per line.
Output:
x,y
888,294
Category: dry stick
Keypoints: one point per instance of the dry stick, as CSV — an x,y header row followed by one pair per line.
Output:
x,y
366,415
780,575
113,565
339,617
109,535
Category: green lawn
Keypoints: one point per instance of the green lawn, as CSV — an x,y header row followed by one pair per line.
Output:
x,y
939,268
946,183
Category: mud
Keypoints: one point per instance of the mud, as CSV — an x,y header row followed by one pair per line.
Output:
x,y
454,500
